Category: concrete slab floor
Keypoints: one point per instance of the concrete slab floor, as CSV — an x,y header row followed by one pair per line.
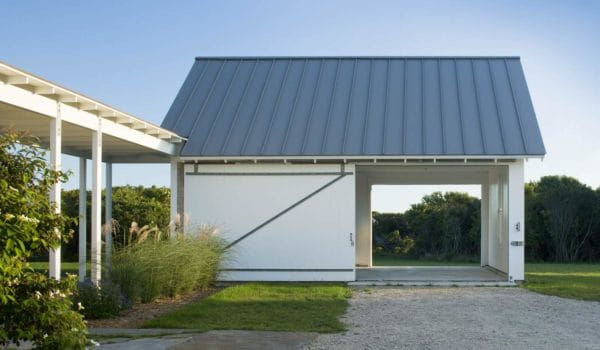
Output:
x,y
250,340
225,339
429,274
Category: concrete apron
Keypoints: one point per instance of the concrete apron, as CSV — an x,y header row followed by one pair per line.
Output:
x,y
180,339
442,276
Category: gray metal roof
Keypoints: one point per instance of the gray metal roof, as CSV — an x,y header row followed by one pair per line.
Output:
x,y
355,106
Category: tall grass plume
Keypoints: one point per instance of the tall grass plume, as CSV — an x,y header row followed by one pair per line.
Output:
x,y
155,265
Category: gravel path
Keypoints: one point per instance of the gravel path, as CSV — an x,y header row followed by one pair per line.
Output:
x,y
464,318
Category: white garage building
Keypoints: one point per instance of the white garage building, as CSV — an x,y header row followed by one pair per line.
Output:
x,y
281,153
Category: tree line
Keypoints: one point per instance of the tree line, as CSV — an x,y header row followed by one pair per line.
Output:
x,y
562,224
143,205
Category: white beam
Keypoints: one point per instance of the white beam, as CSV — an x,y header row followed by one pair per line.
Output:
x,y
108,215
89,107
45,106
69,99
82,219
45,90
140,126
107,114
96,203
152,132
17,80
55,164
516,222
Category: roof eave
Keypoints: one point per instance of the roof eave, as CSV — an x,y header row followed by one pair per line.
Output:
x,y
350,158
11,75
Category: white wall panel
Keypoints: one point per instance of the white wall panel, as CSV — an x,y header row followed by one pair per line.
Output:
x,y
515,220
314,235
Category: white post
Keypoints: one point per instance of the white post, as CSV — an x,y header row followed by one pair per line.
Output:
x,y
82,219
485,219
108,215
96,203
516,221
55,164
174,189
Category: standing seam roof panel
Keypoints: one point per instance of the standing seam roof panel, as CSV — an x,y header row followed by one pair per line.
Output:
x,y
395,119
355,106
450,109
238,129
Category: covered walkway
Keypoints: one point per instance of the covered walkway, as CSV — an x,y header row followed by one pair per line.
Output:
x,y
67,122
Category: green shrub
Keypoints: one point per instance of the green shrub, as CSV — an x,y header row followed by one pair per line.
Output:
x,y
103,302
32,306
43,314
153,268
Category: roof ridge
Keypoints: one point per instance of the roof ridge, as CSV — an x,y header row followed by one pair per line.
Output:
x,y
351,57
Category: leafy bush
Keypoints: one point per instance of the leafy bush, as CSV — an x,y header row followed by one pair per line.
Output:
x,y
44,314
32,306
152,268
100,302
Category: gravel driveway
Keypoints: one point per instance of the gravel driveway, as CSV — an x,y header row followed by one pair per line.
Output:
x,y
464,318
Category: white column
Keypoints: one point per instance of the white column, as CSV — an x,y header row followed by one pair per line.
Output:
x,y
516,221
174,190
55,164
96,203
108,215
363,221
494,244
82,219
485,219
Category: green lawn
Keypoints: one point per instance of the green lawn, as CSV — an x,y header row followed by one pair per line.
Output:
x,y
390,260
66,267
575,281
264,306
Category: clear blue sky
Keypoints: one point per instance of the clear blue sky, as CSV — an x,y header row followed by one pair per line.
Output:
x,y
134,55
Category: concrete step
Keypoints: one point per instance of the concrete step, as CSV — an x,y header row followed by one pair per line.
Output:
x,y
432,284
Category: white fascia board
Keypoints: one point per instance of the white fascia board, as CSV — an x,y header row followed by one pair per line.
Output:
x,y
125,133
368,159
47,107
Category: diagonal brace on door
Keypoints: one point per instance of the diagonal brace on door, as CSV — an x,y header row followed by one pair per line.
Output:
x,y
342,174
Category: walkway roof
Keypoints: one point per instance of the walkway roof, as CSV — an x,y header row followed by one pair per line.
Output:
x,y
29,103
355,107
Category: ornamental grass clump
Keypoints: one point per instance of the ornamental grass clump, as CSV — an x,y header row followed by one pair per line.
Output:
x,y
151,267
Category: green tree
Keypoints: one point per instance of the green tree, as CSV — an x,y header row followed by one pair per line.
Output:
x,y
385,226
442,226
570,212
143,205
32,306
446,226
538,245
